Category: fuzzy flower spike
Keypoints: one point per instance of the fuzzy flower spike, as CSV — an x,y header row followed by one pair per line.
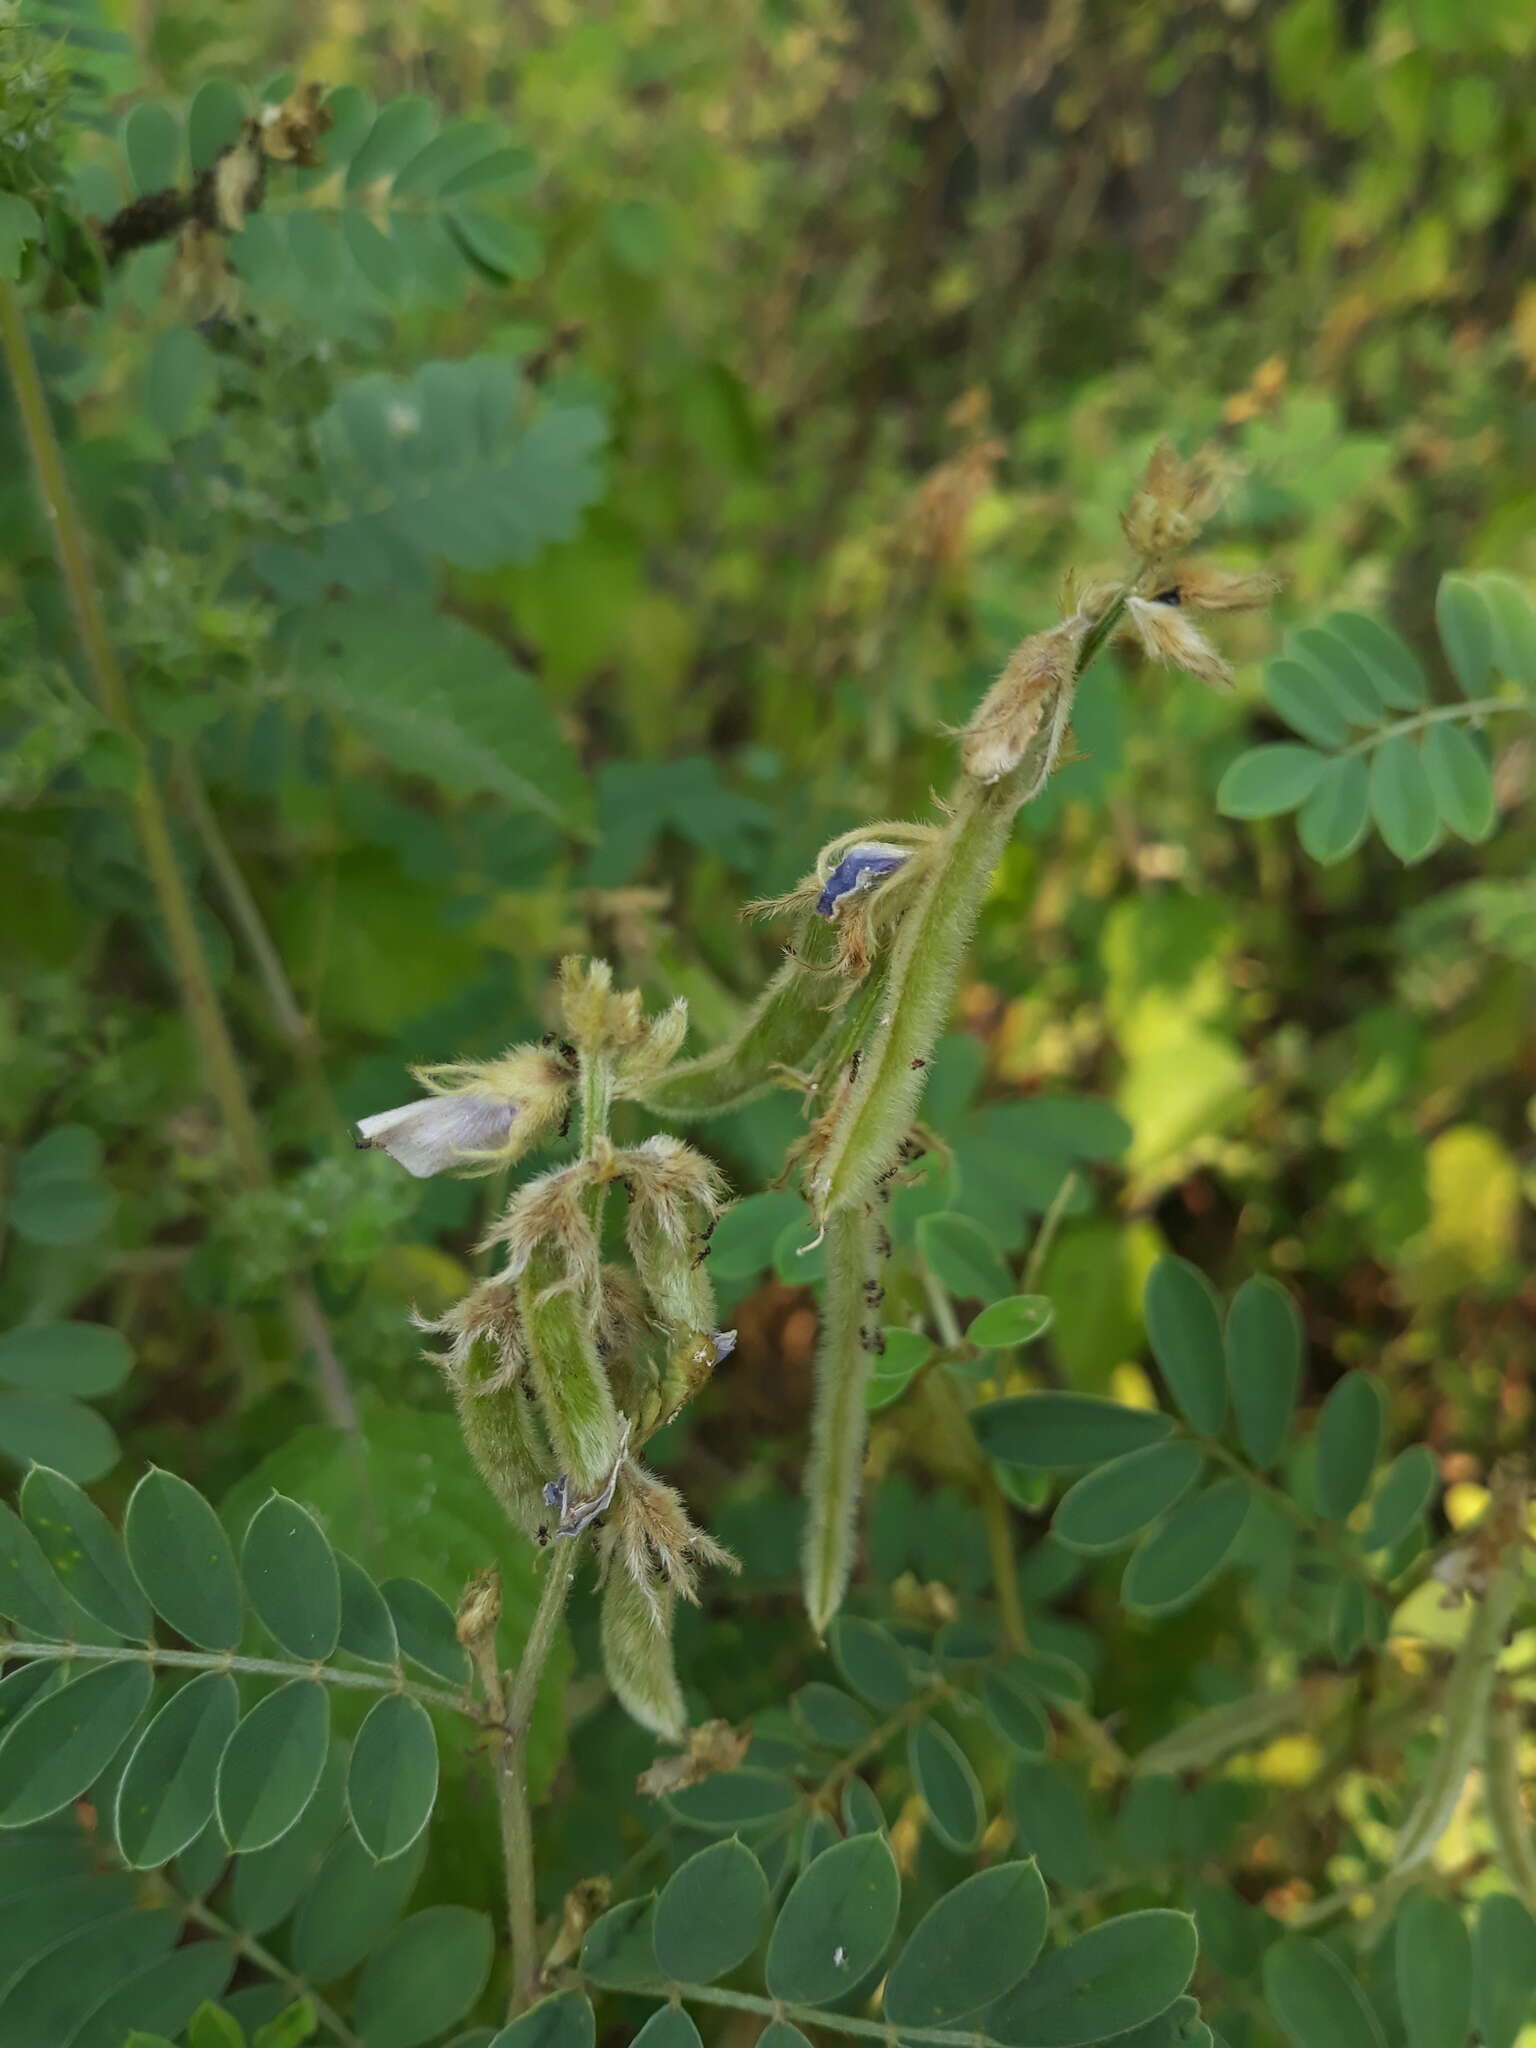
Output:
x,y
475,1117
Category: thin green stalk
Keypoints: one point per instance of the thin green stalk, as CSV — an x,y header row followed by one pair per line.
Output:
x,y
1465,1702
1045,1236
1507,1818
1336,1546
199,997
246,913
822,2021
248,1946
1475,707
194,979
512,1776
220,1660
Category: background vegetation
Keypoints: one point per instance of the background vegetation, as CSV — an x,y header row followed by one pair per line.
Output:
x,y
544,540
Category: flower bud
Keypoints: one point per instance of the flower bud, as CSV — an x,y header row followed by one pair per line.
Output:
x,y
599,1018
1173,501
478,1115
655,1050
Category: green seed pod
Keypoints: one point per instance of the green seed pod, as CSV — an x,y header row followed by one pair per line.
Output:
x,y
1514,1848
675,1194
927,954
839,1422
504,1436
782,1030
1466,1697
637,1655
574,1396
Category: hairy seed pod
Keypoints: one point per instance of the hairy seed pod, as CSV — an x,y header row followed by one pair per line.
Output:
x,y
925,963
503,1434
926,957
574,1395
637,1655
782,1030
839,1423
675,1194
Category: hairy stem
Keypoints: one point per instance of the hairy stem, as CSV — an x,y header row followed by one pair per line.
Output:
x,y
194,979
512,1776
839,1423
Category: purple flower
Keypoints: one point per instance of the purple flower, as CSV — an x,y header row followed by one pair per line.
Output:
x,y
859,869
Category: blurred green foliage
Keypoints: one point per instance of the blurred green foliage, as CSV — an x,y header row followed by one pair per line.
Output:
x,y
591,485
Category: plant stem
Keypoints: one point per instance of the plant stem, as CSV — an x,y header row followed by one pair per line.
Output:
x,y
1045,1236
199,998
1475,707
512,1775
996,1512
219,1660
244,910
194,980
247,1945
822,2020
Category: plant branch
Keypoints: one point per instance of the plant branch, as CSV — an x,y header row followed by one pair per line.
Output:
x,y
996,1514
248,1946
1475,707
194,978
1045,1236
819,2018
218,1660
512,1775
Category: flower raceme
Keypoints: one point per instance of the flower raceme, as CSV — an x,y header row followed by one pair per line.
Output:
x,y
562,1366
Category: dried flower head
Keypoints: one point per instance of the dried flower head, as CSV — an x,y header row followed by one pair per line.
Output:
x,y
479,1609
1174,500
1166,635
584,1904
290,133
478,1115
1013,711
1202,587
712,1747
600,1018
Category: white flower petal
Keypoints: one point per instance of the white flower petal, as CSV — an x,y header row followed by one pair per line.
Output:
x,y
438,1132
